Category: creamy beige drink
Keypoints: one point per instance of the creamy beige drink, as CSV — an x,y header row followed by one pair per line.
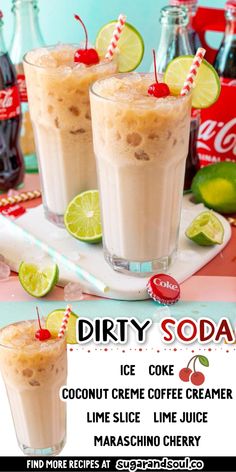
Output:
x,y
141,145
58,94
33,372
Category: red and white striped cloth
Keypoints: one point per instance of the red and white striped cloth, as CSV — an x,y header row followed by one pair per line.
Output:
x,y
64,321
115,37
188,84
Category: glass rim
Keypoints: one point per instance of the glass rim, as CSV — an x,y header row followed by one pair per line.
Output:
x,y
54,46
19,348
92,91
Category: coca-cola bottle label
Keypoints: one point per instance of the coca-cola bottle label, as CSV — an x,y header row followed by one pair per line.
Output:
x,y
9,103
22,87
226,81
217,133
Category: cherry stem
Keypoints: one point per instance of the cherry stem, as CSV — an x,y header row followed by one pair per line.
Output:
x,y
194,357
194,364
77,17
40,327
155,65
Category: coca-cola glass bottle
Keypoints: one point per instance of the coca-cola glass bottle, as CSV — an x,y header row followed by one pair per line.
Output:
x,y
11,158
26,35
175,42
191,7
225,62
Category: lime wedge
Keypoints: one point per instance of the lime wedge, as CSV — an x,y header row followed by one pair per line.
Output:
x,y
36,281
206,89
130,46
53,324
82,217
206,230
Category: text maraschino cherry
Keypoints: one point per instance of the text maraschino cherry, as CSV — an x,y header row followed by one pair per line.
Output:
x,y
87,56
158,89
41,334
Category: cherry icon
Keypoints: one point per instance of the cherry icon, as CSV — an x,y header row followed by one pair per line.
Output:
x,y
41,334
197,378
158,89
86,56
185,373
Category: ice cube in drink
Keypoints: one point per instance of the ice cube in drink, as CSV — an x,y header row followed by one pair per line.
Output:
x,y
141,145
58,94
33,372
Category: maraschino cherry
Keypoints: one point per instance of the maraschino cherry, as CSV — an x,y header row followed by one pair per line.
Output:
x,y
86,56
41,334
158,89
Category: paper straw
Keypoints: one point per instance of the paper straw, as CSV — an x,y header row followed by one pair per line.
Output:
x,y
57,257
21,197
188,84
64,321
115,37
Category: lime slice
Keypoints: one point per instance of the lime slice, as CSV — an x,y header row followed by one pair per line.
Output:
x,y
82,217
206,230
206,89
36,281
53,324
130,46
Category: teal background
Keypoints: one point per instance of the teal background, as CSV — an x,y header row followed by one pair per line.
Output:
x,y
57,24
12,312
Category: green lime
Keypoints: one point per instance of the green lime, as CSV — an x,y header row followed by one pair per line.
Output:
x,y
36,281
53,324
206,89
130,45
215,186
82,217
206,229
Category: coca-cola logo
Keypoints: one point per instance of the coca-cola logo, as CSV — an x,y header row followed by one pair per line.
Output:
x,y
22,87
9,103
165,284
217,134
6,99
12,211
21,83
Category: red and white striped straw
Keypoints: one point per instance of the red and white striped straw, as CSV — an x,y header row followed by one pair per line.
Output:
x,y
64,321
188,84
21,197
115,37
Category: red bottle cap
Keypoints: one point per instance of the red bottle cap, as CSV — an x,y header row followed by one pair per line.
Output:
x,y
230,5
186,3
12,210
163,289
1,14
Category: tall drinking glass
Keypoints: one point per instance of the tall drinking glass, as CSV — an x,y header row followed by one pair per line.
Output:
x,y
141,145
58,95
33,372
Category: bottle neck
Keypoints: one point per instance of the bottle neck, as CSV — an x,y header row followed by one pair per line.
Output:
x,y
190,6
230,29
27,34
2,42
192,10
174,42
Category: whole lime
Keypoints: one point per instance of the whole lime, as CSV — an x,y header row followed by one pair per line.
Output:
x,y
215,186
